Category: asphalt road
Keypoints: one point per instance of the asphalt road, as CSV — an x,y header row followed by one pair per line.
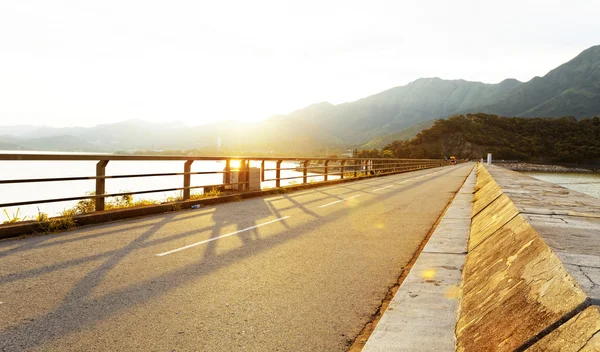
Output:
x,y
301,271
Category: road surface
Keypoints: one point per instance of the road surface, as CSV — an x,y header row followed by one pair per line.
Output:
x,y
302,271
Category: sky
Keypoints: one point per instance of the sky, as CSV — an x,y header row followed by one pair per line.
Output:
x,y
82,63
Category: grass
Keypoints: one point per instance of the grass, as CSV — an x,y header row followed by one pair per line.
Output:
x,y
14,218
120,202
46,224
126,201
214,192
66,220
351,174
63,222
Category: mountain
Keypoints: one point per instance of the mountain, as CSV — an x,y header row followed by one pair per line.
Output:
x,y
398,108
59,143
16,130
572,89
280,135
10,146
405,134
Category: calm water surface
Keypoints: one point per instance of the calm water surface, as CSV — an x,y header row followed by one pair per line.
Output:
x,y
588,183
50,169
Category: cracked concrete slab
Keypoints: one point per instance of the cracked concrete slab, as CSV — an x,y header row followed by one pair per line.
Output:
x,y
568,221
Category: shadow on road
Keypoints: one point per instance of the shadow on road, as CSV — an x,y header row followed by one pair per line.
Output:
x,y
79,310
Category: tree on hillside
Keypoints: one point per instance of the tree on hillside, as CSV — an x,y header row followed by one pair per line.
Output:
x,y
473,135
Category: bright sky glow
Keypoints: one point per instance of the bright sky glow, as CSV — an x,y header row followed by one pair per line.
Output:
x,y
67,63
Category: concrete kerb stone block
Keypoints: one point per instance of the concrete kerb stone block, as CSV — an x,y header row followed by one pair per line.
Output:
x,y
484,196
458,213
491,219
447,239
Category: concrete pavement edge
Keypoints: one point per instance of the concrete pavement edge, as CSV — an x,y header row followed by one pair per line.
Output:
x,y
423,313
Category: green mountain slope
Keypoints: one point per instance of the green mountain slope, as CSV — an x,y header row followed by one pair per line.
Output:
x,y
474,135
405,134
398,108
572,89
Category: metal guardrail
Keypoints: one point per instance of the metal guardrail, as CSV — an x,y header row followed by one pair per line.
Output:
x,y
323,167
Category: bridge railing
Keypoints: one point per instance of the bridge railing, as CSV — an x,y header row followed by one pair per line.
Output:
x,y
307,169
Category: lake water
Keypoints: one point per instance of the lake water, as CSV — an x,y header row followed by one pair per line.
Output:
x,y
587,183
50,169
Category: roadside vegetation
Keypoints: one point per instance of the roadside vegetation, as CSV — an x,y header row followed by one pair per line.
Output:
x,y
66,219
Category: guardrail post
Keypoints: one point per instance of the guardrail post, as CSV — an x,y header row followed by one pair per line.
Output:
x,y
278,174
342,162
305,171
100,184
355,171
326,170
262,171
227,179
187,168
244,173
247,174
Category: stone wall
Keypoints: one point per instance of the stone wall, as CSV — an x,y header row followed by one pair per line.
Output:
x,y
532,275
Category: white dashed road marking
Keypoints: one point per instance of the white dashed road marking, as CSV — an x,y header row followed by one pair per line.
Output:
x,y
379,189
217,238
338,201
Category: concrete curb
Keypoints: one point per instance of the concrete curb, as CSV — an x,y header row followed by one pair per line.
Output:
x,y
422,314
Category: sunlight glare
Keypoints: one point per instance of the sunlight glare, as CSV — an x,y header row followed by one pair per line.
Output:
x,y
452,292
235,164
428,274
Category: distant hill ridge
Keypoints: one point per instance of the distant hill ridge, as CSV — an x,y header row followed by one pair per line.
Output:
x,y
572,89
